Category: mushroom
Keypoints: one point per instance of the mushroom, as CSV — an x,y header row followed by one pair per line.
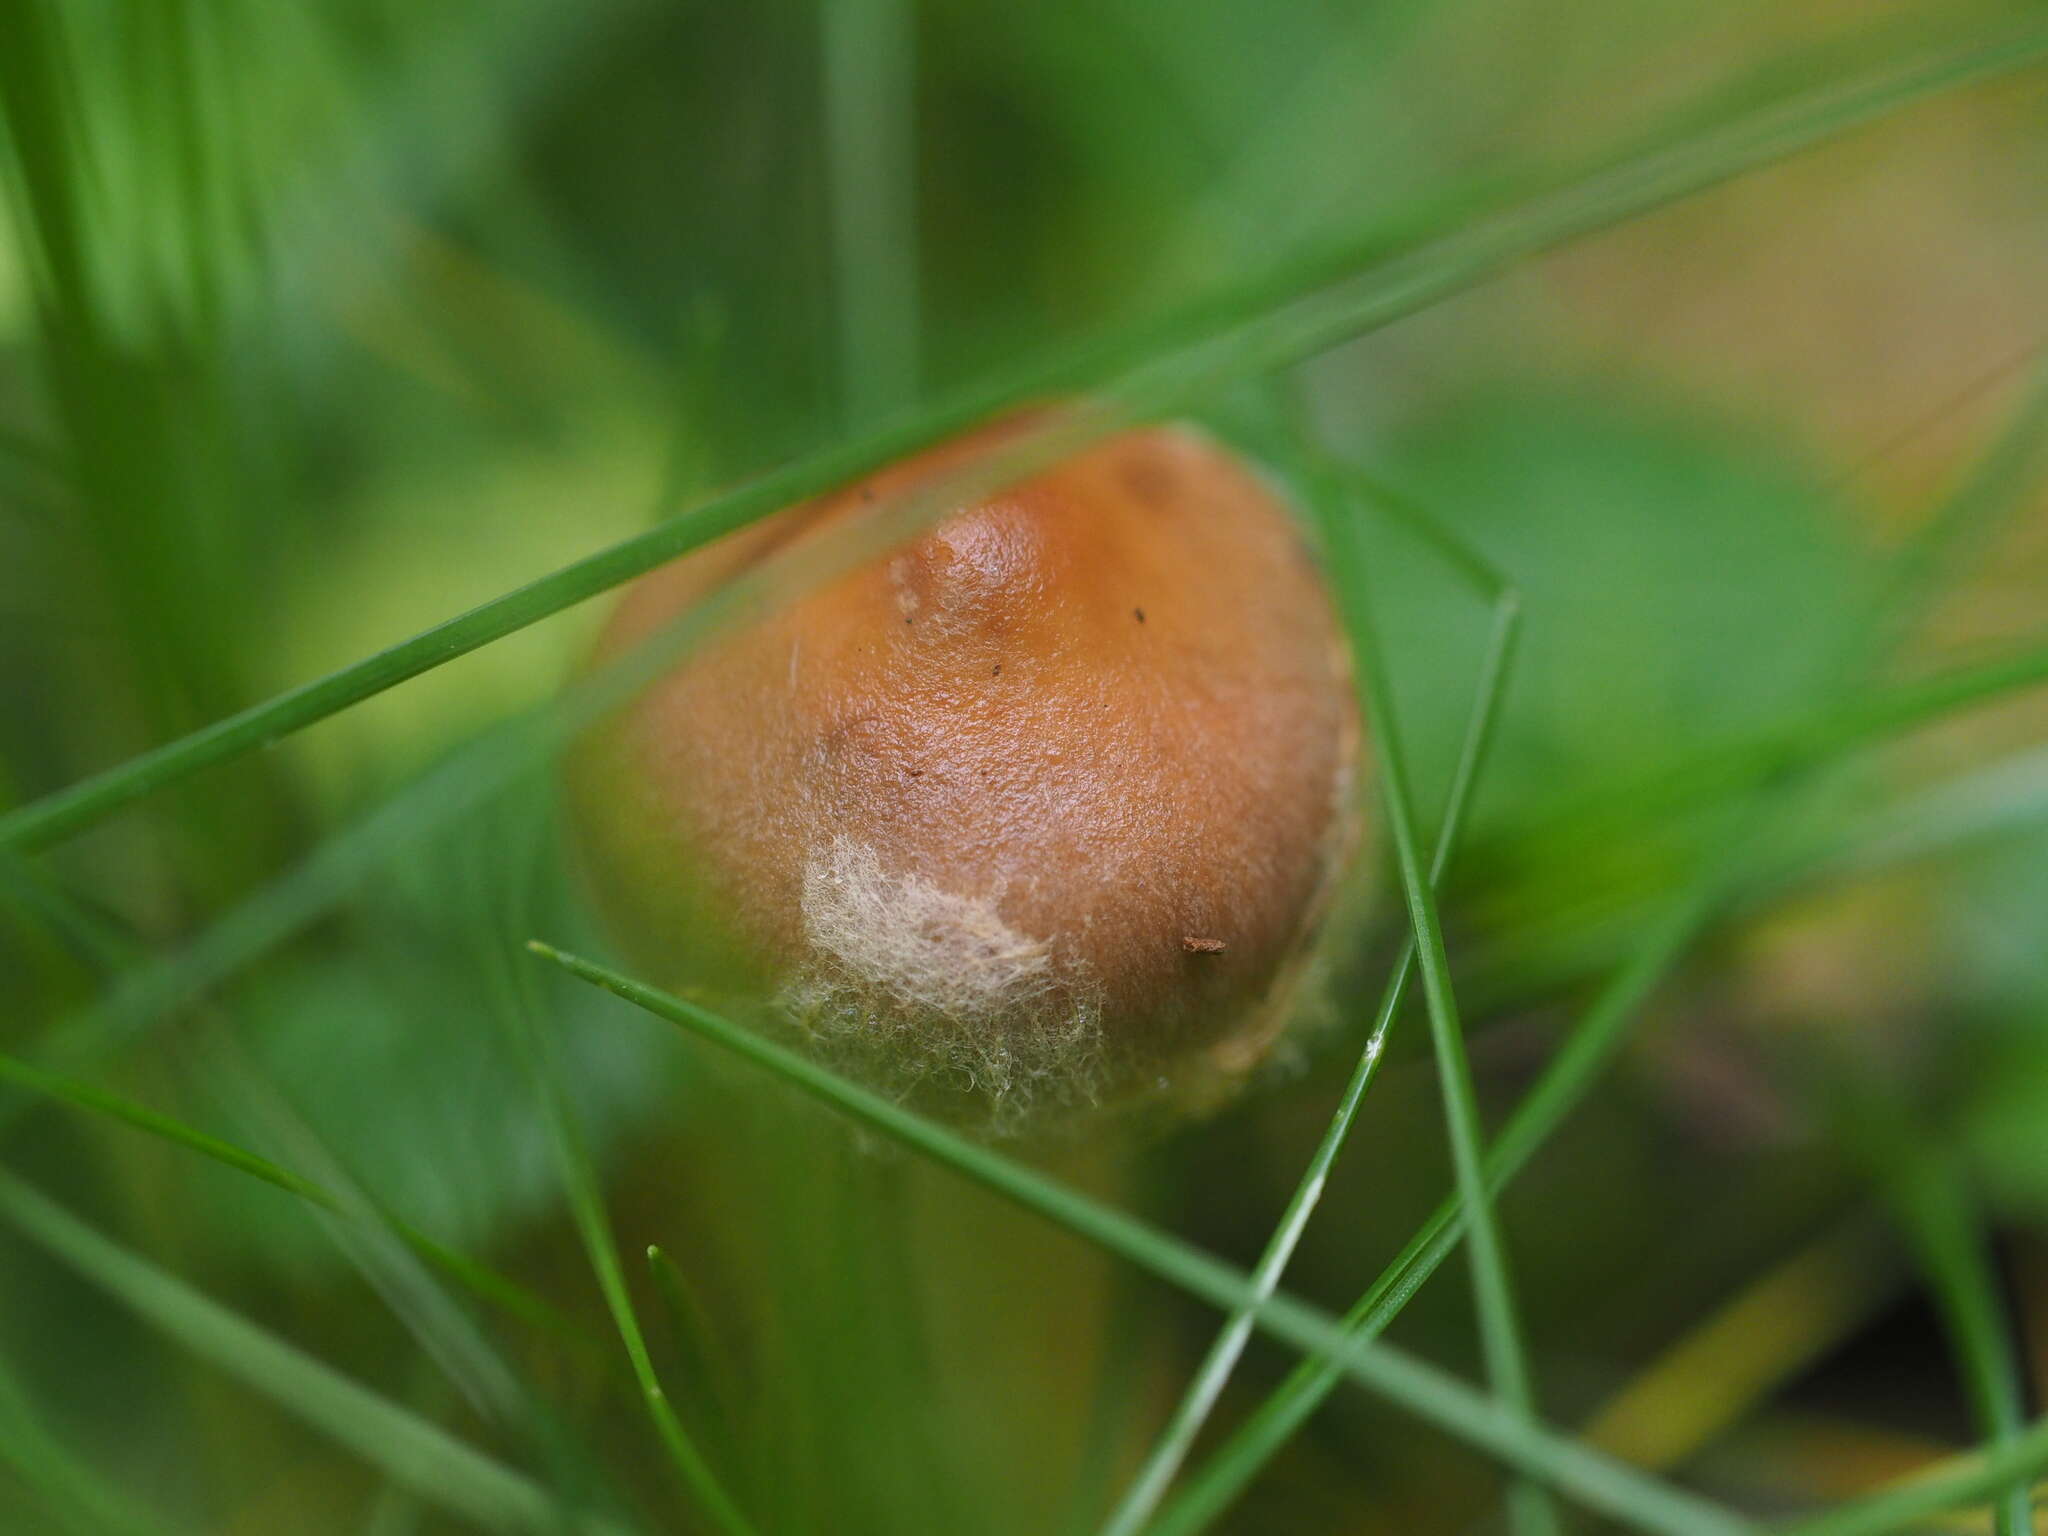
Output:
x,y
1036,811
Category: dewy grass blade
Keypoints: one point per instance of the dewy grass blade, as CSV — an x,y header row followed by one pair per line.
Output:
x,y
1202,1393
407,1448
1529,1510
1355,287
1600,1484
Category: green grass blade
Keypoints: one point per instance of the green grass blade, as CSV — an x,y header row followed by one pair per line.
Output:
x,y
1596,1481
1199,1400
586,1205
479,1279
705,1360
870,92
454,1476
1529,1510
1994,488
1931,1201
1990,490
1588,1048
446,1333
1952,1484
79,1497
1333,295
469,777
1771,1332
1952,1250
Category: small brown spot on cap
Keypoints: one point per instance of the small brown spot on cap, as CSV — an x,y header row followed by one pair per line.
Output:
x,y
1150,478
1195,946
1138,614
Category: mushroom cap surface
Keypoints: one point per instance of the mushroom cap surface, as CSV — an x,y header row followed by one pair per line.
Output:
x,y
1040,807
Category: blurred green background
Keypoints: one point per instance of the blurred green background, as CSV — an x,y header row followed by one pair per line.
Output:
x,y
322,322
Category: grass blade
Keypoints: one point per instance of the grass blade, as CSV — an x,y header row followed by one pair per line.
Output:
x,y
1596,1481
411,1451
1952,1251
1989,491
1529,1510
1282,317
480,1280
1771,1332
586,1205
1953,1483
1202,1393
1590,1045
1931,1201
870,92
78,1496
694,1340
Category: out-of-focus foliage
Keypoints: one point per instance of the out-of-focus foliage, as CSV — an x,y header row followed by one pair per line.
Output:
x,y
322,322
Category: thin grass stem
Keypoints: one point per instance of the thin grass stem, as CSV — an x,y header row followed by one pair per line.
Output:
x,y
1200,1398
1529,1510
1577,1065
1932,1204
1941,1221
1768,760
586,1204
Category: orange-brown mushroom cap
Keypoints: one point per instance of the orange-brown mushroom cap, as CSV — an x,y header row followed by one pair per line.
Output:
x,y
1041,806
